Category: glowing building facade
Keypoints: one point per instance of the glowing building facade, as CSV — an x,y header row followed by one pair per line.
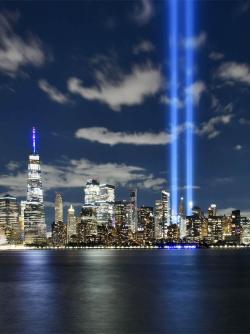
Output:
x,y
58,208
9,219
34,217
71,225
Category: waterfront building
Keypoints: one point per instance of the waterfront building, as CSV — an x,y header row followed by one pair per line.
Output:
x,y
196,226
71,225
162,216
58,208
145,229
91,192
87,228
122,211
215,229
212,210
9,219
158,221
105,205
59,233
173,233
245,236
34,216
132,212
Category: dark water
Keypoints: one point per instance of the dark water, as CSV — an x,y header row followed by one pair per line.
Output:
x,y
125,291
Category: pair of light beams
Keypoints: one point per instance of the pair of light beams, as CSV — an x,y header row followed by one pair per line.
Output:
x,y
176,30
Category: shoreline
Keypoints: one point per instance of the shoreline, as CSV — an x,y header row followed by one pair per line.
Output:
x,y
166,247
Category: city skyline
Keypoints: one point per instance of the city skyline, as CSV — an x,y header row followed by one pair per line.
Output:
x,y
49,86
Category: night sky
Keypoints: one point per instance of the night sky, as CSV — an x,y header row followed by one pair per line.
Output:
x,y
93,77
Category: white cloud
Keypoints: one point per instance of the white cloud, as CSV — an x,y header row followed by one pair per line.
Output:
x,y
234,72
143,12
144,47
104,136
196,90
17,52
166,100
130,89
216,56
53,93
196,42
238,147
74,173
152,183
209,128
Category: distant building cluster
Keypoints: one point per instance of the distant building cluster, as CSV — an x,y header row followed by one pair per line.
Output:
x,y
103,220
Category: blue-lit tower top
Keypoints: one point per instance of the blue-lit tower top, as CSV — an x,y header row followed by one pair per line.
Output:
x,y
34,139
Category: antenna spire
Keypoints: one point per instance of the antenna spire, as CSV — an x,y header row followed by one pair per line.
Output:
x,y
34,139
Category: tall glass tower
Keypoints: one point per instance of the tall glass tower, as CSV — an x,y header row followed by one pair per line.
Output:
x,y
34,217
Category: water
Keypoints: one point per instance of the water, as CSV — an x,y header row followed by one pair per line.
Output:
x,y
125,291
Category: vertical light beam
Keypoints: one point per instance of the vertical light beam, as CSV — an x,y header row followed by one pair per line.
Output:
x,y
173,47
34,139
189,105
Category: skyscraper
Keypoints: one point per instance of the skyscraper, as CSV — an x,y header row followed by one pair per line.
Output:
x,y
34,217
91,192
9,219
105,205
133,214
71,225
58,208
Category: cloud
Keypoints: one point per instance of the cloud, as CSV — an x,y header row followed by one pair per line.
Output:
x,y
243,7
216,56
209,128
53,93
74,173
196,42
166,100
13,165
104,136
234,72
144,12
238,147
196,90
218,107
143,47
17,52
244,121
128,90
226,211
152,183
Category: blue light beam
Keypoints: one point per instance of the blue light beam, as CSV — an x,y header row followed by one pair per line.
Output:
x,y
173,46
189,103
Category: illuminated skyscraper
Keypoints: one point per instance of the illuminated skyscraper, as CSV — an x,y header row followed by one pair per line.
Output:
x,y
212,210
158,223
71,224
105,205
34,217
166,211
91,192
9,219
145,227
133,214
58,208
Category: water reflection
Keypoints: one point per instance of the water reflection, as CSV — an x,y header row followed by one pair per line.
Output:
x,y
124,291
